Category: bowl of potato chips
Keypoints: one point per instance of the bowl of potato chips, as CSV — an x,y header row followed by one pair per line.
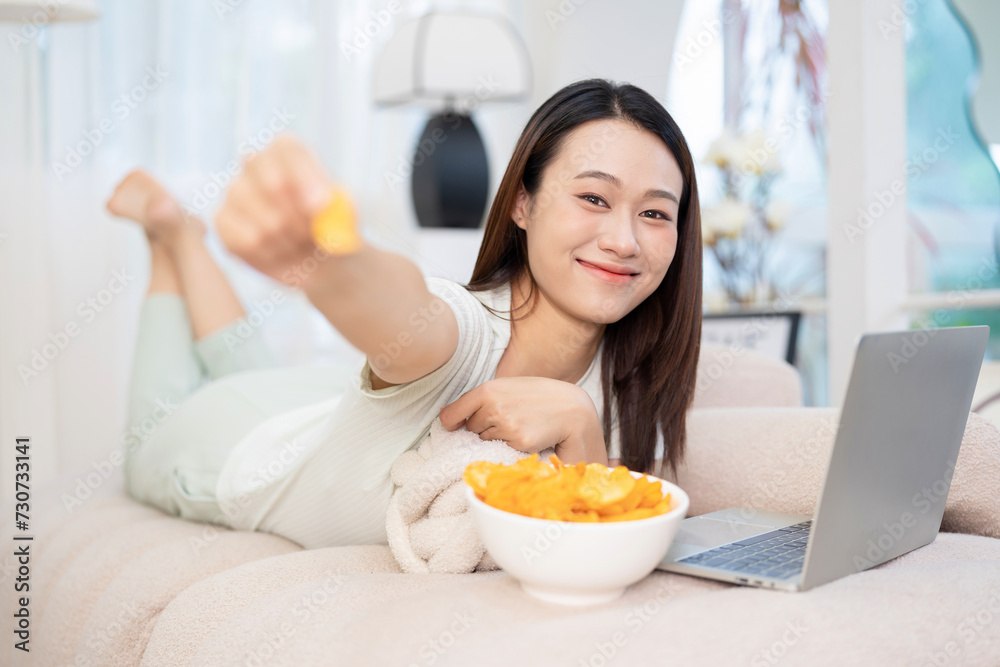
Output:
x,y
573,534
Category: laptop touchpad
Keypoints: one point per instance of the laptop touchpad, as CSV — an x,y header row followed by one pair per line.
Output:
x,y
713,532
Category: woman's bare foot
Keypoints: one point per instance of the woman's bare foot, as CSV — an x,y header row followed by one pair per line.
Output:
x,y
140,198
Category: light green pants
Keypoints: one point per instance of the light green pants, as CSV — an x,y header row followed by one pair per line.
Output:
x,y
191,401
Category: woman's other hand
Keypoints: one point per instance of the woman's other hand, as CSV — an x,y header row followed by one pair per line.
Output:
x,y
531,414
267,215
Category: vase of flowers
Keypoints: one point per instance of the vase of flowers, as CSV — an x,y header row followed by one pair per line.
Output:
x,y
739,229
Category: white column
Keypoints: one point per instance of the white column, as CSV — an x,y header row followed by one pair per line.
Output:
x,y
732,49
866,262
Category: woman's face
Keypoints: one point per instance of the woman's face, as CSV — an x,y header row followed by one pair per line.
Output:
x,y
602,227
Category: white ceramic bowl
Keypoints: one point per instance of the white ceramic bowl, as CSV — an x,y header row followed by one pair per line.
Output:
x,y
577,563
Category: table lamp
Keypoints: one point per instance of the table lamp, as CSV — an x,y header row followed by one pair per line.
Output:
x,y
452,63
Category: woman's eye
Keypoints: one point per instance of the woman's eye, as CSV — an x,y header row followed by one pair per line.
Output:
x,y
658,215
593,199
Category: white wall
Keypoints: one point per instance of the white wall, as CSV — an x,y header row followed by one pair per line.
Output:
x,y
627,41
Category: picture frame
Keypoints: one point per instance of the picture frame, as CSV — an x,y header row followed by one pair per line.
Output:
x,y
770,333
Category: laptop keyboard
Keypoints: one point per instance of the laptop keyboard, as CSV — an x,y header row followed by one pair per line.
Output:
x,y
778,554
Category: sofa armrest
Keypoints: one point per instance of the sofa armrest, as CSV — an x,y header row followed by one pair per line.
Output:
x,y
737,377
776,458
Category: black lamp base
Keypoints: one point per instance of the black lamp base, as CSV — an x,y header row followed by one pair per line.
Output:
x,y
450,182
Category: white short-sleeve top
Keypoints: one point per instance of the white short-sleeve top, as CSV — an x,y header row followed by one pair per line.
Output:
x,y
364,429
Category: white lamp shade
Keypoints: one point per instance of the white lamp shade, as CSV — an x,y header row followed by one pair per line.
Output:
x,y
41,13
453,56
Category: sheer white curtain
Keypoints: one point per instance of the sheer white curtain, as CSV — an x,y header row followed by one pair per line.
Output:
x,y
185,90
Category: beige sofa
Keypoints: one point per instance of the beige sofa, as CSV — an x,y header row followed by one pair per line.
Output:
x,y
118,583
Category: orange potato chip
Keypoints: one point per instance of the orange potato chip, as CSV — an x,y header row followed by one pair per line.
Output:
x,y
334,229
641,513
636,495
475,475
663,505
600,488
652,496
584,492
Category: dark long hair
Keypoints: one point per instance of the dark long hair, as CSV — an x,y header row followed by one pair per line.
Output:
x,y
650,355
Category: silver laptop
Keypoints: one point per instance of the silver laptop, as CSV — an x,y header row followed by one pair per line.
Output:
x,y
889,472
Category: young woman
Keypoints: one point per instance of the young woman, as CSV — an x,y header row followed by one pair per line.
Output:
x,y
587,284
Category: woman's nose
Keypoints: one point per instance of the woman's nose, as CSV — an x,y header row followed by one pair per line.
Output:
x,y
619,235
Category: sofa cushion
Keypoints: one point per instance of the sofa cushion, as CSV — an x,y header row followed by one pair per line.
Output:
x,y
103,577
775,459
326,607
742,378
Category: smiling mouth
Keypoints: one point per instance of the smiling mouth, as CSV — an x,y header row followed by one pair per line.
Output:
x,y
613,273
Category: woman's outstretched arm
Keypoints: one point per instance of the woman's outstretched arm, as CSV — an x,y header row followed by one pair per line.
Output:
x,y
379,302
376,299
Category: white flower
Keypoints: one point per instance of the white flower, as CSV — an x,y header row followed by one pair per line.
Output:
x,y
776,214
714,300
760,154
726,150
707,234
726,219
